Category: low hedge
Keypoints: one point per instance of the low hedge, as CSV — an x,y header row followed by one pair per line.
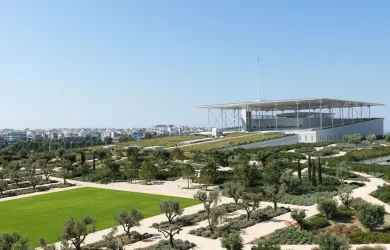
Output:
x,y
134,237
240,222
382,193
381,237
164,245
31,190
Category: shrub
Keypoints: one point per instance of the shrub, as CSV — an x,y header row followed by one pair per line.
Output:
x,y
372,215
290,236
370,237
382,193
371,248
164,245
232,241
316,222
327,206
331,241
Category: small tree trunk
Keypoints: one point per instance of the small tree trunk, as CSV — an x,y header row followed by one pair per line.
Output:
x,y
299,171
275,205
235,200
188,183
171,240
94,164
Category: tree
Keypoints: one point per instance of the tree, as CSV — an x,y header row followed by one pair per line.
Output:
x,y
314,177
262,156
35,180
102,154
170,231
309,168
210,201
45,246
342,172
327,206
387,137
232,241
94,161
125,138
299,216
248,175
14,241
299,170
15,176
148,171
29,166
275,193
208,174
177,154
233,190
319,171
331,241
76,231
3,173
347,198
107,140
132,151
82,158
148,135
66,167
171,209
113,242
188,172
3,186
371,215
250,202
60,153
371,138
70,157
46,169
354,139
132,170
129,219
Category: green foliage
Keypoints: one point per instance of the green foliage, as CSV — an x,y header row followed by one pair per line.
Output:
x,y
382,193
372,215
298,215
148,171
128,219
371,248
165,245
208,174
371,138
232,241
316,222
14,241
290,236
171,209
327,206
250,202
75,231
382,237
266,245
366,154
233,190
125,138
188,172
177,154
330,241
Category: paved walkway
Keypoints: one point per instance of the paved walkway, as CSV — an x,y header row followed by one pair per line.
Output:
x,y
175,188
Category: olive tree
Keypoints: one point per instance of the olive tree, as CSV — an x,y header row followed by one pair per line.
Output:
x,y
76,231
327,206
371,138
14,241
299,216
169,231
129,219
233,190
3,186
275,193
35,180
347,198
148,171
171,209
210,202
188,172
371,215
250,202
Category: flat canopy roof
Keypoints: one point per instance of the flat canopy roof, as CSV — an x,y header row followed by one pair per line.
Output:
x,y
313,103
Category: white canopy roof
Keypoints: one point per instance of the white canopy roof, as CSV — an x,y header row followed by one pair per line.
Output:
x,y
301,104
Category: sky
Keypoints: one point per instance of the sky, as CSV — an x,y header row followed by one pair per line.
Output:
x,y
122,64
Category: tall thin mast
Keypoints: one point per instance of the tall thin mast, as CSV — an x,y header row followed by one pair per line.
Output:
x,y
258,72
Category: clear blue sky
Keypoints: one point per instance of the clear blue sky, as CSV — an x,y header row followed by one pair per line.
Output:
x,y
140,63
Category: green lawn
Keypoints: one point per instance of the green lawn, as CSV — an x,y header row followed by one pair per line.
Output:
x,y
45,215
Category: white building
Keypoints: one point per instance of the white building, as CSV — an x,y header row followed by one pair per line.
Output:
x,y
312,120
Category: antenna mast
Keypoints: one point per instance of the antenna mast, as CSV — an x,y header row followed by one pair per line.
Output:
x,y
258,72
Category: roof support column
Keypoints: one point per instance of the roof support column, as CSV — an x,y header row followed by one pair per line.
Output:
x,y
321,114
352,113
361,113
208,114
342,115
332,114
276,118
297,116
258,117
369,112
309,116
222,120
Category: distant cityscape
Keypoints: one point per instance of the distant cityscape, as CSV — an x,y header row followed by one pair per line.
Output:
x,y
11,136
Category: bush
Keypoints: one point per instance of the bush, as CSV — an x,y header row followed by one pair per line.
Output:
x,y
372,215
164,245
290,236
331,241
371,248
232,241
315,223
327,206
382,193
360,237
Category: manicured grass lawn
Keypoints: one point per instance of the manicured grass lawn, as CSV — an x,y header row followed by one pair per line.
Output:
x,y
240,139
45,215
166,141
